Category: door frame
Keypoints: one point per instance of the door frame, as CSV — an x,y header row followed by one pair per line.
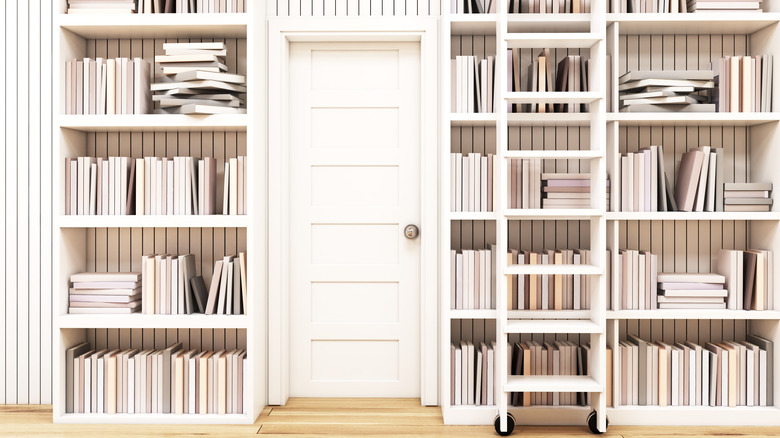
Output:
x,y
281,33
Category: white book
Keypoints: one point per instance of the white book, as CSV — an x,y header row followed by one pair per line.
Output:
x,y
470,365
131,385
490,376
226,188
458,375
750,376
174,287
762,377
478,378
709,201
705,377
87,383
99,388
170,179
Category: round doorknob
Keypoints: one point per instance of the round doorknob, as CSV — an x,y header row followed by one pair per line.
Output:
x,y
411,231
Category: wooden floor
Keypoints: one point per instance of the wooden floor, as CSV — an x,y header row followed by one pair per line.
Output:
x,y
335,417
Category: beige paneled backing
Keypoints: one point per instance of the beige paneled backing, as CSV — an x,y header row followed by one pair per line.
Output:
x,y
353,8
679,330
199,339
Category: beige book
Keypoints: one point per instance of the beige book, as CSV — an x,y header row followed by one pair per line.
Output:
x,y
663,373
110,383
111,86
688,179
733,371
203,382
178,377
242,264
746,92
734,86
759,298
233,191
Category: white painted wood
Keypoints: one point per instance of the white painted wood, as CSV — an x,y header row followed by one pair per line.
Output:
x,y
352,236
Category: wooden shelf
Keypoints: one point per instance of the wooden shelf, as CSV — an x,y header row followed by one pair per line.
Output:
x,y
472,24
139,320
473,215
571,97
553,326
548,23
553,213
687,313
473,313
172,221
473,119
156,25
693,119
694,24
553,40
555,154
552,384
154,122
549,119
548,314
692,216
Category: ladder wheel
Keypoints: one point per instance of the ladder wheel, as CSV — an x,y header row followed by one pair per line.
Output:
x,y
510,424
593,423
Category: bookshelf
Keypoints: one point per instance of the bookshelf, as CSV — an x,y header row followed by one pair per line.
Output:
x,y
116,243
684,241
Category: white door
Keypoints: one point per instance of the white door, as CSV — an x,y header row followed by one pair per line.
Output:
x,y
354,186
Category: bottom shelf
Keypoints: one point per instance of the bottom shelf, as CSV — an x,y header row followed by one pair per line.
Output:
x,y
154,418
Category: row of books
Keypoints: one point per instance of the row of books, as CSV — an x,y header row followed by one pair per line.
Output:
x,y
195,80
556,358
644,185
683,6
728,373
549,6
548,292
698,179
153,186
151,381
636,275
747,196
473,282
170,285
155,6
525,183
473,81
666,90
691,291
571,75
107,292
744,83
749,278
108,86
473,181
472,373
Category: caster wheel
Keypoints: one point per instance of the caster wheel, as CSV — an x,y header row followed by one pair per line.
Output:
x,y
510,425
593,423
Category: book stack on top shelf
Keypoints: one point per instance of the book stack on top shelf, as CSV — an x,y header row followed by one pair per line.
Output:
x,y
195,80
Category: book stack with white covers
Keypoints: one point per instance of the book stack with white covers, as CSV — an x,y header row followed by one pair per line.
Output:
x,y
666,91
105,292
747,196
567,190
728,6
101,6
691,291
195,80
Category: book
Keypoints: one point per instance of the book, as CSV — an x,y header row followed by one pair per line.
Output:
x,y
688,179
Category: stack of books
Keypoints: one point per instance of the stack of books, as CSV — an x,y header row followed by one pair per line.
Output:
x,y
548,292
553,358
644,184
473,81
473,181
105,292
472,373
747,196
524,177
726,373
473,285
749,278
170,381
107,86
691,291
567,190
700,177
102,6
195,80
744,84
549,7
729,6
666,91
636,273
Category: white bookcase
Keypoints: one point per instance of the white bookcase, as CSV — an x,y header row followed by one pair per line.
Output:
x,y
685,242
116,243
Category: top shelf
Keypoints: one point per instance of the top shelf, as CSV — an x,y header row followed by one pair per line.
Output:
x,y
156,25
710,23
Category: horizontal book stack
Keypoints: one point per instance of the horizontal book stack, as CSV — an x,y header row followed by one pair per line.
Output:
x,y
729,6
473,80
567,190
749,278
105,293
727,373
699,185
167,285
472,373
571,76
108,86
548,292
644,184
524,177
549,6
691,291
747,196
473,181
744,83
152,381
195,80
473,285
666,91
555,358
636,273
102,6
227,294
153,186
